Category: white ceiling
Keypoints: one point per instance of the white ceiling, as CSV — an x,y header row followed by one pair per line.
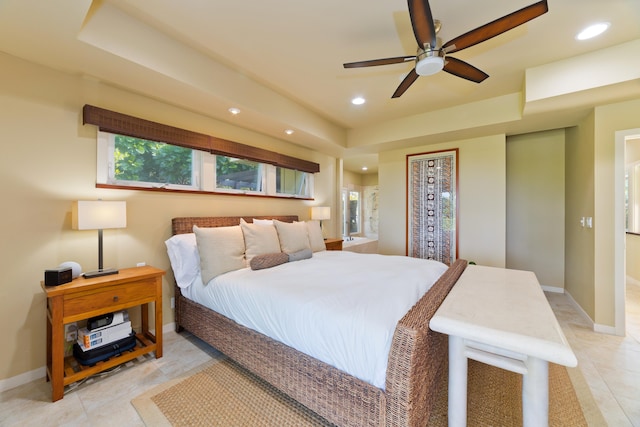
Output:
x,y
280,61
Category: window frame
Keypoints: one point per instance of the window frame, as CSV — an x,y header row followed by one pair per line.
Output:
x,y
204,174
306,183
214,181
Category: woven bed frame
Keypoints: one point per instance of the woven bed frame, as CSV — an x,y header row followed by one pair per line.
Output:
x,y
416,359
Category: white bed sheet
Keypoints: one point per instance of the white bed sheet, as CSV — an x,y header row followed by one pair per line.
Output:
x,y
339,307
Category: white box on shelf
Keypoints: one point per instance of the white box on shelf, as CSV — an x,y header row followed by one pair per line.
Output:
x,y
92,339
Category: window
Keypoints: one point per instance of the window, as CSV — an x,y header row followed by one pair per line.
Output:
x,y
137,162
350,212
238,174
354,212
292,182
143,161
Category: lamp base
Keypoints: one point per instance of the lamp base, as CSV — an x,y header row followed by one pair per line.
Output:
x,y
98,273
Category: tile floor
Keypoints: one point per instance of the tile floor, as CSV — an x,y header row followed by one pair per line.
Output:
x,y
610,365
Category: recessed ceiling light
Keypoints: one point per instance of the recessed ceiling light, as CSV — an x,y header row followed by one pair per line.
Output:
x,y
234,110
364,168
593,30
289,131
358,100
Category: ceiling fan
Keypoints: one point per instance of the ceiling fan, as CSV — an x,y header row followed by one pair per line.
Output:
x,y
432,58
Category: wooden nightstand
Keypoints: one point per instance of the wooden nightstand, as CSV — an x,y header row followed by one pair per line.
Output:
x,y
333,244
83,298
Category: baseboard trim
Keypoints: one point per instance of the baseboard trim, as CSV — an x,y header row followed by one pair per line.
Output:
x,y
18,380
580,310
605,329
41,372
554,289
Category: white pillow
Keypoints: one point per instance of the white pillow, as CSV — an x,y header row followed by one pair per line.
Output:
x,y
221,250
259,239
316,240
262,221
293,236
184,258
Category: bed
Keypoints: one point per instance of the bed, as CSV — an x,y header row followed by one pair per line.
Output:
x,y
415,362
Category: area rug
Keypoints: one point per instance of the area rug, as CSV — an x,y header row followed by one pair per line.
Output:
x,y
224,394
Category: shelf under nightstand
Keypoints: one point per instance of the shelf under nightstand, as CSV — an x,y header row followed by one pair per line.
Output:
x,y
83,298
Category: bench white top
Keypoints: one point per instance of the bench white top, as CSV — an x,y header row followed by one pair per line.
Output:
x,y
505,309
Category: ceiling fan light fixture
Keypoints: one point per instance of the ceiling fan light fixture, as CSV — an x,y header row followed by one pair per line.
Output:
x,y
429,64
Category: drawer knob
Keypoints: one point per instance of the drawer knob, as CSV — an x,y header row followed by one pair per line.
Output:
x,y
115,298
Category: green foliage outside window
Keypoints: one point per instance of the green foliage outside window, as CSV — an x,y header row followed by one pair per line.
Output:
x,y
232,173
149,161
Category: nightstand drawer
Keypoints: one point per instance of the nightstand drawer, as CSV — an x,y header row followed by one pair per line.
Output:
x,y
111,298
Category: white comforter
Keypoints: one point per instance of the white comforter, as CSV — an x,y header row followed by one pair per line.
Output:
x,y
339,307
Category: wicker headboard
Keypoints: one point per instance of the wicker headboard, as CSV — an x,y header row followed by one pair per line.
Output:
x,y
183,225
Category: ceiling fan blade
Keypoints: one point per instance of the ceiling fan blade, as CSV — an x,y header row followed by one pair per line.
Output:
x,y
496,27
383,61
463,69
408,81
422,22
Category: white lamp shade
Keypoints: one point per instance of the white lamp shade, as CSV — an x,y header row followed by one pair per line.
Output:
x,y
98,215
321,212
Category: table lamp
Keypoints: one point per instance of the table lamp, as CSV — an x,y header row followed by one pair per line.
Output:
x,y
320,213
98,215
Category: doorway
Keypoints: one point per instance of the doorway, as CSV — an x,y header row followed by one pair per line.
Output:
x,y
351,212
625,269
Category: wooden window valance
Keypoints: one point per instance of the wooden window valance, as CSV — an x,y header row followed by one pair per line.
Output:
x,y
122,124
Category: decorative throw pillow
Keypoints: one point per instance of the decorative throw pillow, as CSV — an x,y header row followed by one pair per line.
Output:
x,y
259,239
303,254
315,236
259,262
221,250
293,236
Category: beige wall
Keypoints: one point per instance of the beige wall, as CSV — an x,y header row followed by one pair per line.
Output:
x,y
351,179
370,179
633,256
632,150
481,198
536,205
49,160
594,270
579,241
608,220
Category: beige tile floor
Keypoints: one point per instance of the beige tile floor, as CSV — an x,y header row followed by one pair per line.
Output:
x,y
610,365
